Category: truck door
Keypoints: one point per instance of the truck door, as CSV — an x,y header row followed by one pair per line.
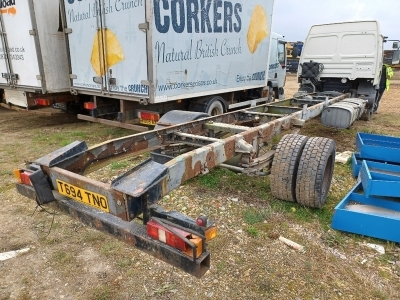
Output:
x,y
19,53
281,70
277,65
107,48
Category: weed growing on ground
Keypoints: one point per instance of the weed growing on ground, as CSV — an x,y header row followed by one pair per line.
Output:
x,y
253,216
118,165
252,231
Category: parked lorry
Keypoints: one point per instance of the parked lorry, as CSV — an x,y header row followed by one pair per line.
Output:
x,y
293,51
33,56
345,57
204,56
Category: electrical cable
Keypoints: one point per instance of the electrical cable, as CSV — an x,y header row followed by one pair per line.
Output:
x,y
52,221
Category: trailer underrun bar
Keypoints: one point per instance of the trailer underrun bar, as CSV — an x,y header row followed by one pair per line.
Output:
x,y
178,153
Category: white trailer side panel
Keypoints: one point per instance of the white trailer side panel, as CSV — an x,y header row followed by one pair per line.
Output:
x,y
108,51
18,45
209,47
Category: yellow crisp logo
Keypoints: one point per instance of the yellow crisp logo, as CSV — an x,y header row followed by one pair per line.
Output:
x,y
258,28
114,51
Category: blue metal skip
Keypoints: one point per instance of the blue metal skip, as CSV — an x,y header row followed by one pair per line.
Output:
x,y
372,207
370,216
378,147
380,179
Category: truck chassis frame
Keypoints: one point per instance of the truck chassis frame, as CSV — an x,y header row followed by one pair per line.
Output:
x,y
179,153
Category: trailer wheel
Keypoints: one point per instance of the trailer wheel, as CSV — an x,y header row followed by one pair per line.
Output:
x,y
284,166
315,172
175,117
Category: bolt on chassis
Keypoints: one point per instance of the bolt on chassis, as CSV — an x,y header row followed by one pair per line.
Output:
x,y
182,146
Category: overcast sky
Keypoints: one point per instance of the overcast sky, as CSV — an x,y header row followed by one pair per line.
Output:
x,y
293,18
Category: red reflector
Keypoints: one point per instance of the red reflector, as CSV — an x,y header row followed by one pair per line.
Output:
x,y
201,221
145,115
42,102
89,105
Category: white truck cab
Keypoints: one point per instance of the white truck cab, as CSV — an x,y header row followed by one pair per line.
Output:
x,y
343,57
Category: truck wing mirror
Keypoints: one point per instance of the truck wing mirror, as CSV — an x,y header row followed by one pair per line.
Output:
x,y
396,45
396,57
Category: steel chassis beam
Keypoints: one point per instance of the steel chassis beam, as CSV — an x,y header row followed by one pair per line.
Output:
x,y
137,191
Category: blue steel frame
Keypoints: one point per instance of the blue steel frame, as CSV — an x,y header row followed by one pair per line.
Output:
x,y
378,147
376,217
355,164
379,179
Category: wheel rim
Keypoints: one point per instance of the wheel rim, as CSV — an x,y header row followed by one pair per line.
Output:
x,y
215,111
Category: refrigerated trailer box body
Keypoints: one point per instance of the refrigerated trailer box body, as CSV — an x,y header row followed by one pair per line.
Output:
x,y
162,50
33,54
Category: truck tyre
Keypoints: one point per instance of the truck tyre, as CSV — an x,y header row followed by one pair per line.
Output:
x,y
284,166
271,95
281,92
215,106
366,115
175,117
315,172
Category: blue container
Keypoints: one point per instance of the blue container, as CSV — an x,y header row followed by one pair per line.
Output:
x,y
378,147
380,179
374,217
356,162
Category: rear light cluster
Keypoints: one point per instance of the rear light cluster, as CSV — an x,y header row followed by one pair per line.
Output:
x,y
148,115
179,238
23,176
174,237
89,105
42,102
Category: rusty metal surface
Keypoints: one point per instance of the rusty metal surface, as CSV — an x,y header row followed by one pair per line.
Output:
x,y
131,233
116,202
59,155
195,149
207,153
189,165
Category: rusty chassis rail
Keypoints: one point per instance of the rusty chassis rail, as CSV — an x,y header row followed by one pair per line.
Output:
x,y
179,153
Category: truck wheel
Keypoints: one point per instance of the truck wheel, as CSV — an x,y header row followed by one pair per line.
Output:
x,y
284,166
366,116
281,92
271,95
215,106
315,172
175,117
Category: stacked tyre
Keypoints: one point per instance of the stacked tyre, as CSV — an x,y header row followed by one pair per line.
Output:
x,y
302,169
